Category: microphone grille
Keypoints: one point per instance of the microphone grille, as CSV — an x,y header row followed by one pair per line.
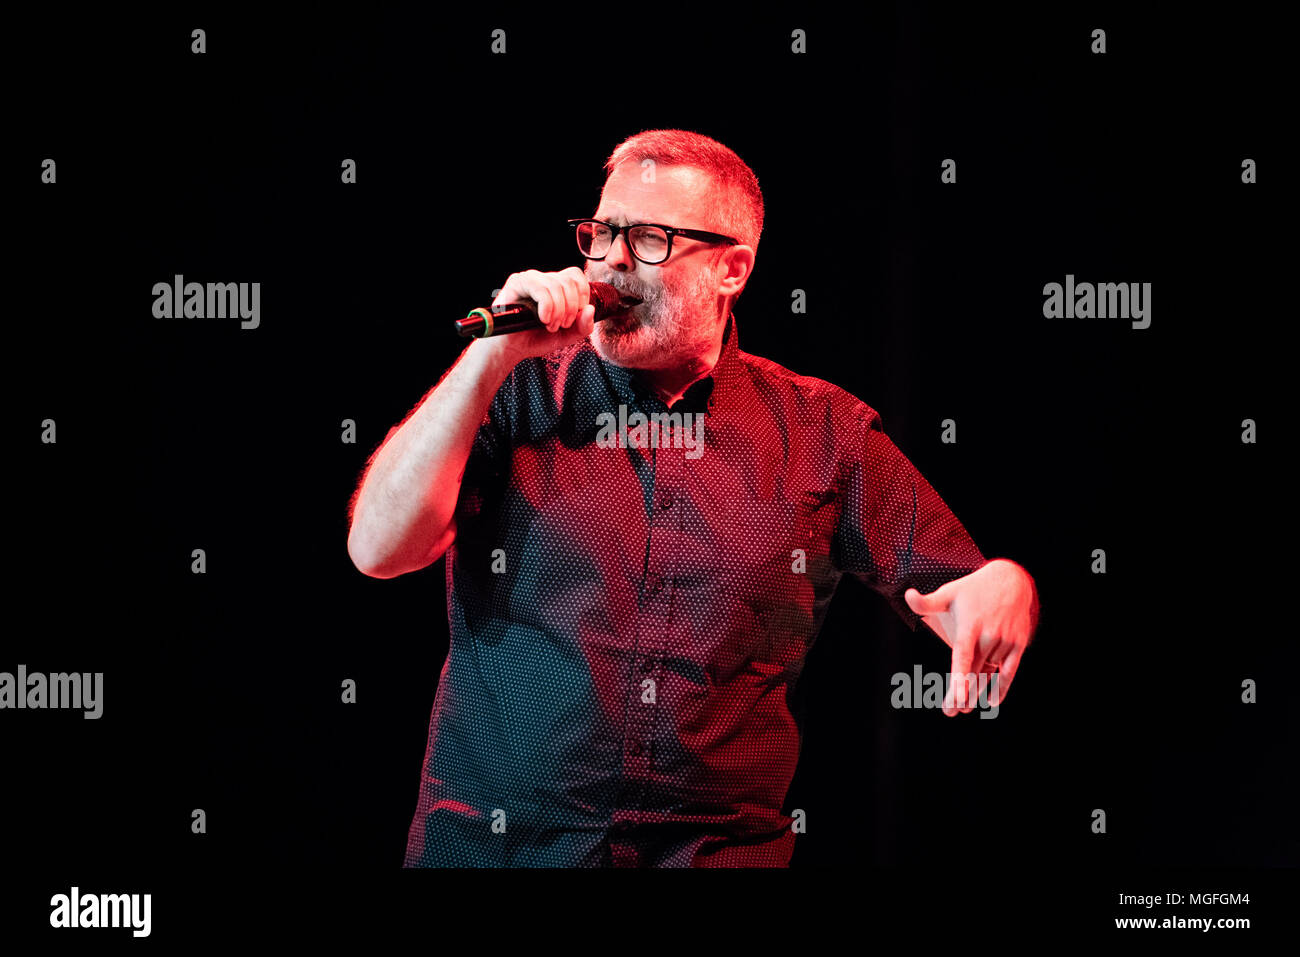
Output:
x,y
604,296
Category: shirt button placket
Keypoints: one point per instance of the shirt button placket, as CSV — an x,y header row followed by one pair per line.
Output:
x,y
655,623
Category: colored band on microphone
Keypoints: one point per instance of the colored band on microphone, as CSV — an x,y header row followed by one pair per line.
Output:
x,y
487,322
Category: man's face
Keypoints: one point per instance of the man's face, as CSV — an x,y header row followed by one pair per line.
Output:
x,y
678,318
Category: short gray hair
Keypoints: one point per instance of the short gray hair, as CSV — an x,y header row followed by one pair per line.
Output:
x,y
739,203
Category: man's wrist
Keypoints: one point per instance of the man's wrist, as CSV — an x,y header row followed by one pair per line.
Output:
x,y
497,357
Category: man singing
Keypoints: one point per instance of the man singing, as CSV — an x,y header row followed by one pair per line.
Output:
x,y
629,617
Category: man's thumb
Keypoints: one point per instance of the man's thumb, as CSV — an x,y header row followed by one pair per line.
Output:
x,y
929,604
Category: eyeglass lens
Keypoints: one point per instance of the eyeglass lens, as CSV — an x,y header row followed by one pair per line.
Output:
x,y
649,243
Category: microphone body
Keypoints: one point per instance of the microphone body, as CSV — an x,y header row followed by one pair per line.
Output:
x,y
519,316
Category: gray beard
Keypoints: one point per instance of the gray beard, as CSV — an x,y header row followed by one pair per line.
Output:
x,y
667,328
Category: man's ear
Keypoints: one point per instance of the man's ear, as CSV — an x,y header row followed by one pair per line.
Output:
x,y
738,263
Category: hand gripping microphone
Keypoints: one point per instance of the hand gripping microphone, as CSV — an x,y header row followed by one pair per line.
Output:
x,y
518,316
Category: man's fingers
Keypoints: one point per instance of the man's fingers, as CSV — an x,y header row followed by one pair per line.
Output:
x,y
581,292
563,307
568,285
987,658
963,656
986,653
574,302
950,697
547,309
1008,671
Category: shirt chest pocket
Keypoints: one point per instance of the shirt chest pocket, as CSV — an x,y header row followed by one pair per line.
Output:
x,y
775,555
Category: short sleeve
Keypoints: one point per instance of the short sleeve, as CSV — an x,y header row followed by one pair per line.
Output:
x,y
488,465
894,531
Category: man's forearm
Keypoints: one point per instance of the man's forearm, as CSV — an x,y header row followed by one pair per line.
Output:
x,y
403,511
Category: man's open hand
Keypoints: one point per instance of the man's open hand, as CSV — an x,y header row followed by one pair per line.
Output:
x,y
988,618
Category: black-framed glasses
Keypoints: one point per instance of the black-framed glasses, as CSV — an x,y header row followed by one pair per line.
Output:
x,y
651,243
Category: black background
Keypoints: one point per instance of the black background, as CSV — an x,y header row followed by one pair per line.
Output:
x,y
222,691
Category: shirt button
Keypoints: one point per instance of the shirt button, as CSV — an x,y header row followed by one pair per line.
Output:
x,y
648,665
635,748
665,501
653,583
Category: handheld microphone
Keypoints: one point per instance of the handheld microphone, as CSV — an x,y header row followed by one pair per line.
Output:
x,y
518,316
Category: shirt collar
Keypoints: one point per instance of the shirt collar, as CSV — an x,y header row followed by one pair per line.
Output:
x,y
712,394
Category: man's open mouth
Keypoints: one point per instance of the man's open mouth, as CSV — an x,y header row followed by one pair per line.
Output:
x,y
625,306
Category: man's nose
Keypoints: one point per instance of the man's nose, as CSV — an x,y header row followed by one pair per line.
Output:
x,y
620,256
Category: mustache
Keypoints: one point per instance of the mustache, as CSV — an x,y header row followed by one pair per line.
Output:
x,y
631,287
